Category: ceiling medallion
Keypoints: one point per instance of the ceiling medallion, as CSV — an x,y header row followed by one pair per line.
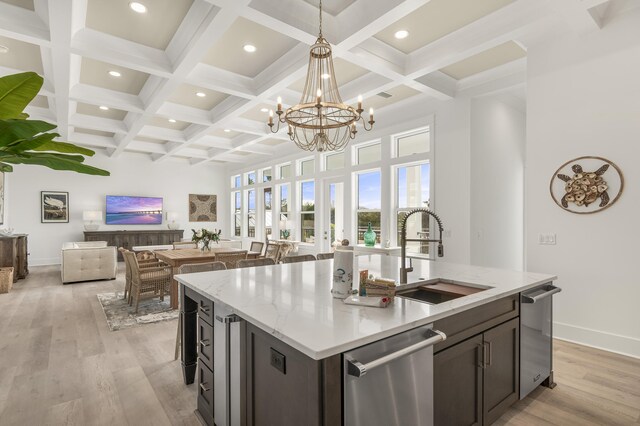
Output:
x,y
321,121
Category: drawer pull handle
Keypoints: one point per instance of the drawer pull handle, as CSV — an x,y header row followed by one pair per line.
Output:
x,y
204,309
204,388
205,342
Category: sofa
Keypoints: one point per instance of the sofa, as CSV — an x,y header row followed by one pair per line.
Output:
x,y
86,261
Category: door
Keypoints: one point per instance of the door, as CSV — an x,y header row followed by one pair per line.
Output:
x,y
457,384
502,370
333,213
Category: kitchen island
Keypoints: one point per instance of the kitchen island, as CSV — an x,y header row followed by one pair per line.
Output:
x,y
272,346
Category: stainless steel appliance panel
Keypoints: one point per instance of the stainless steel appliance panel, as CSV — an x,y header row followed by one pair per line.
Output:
x,y
226,367
390,382
536,318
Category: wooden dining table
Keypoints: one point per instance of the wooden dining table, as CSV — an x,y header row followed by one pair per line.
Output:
x,y
177,258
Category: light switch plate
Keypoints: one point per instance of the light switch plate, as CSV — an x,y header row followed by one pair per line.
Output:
x,y
547,239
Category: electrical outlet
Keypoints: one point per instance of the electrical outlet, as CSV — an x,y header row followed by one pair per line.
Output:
x,y
547,239
278,361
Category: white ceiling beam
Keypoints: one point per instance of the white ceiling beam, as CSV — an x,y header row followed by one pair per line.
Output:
x,y
577,14
163,134
210,77
94,95
97,123
22,24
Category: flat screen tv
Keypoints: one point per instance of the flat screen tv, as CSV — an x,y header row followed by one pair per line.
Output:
x,y
125,210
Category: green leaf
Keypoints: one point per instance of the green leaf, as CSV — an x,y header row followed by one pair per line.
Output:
x,y
16,91
55,162
13,130
5,167
34,143
65,147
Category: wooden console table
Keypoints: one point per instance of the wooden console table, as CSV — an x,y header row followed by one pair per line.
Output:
x,y
129,239
13,252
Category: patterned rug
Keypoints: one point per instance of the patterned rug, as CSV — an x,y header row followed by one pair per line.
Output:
x,y
120,315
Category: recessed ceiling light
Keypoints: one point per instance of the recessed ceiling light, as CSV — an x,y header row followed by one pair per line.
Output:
x,y
264,109
227,130
201,94
325,76
104,108
249,48
3,49
114,74
401,34
138,7
171,120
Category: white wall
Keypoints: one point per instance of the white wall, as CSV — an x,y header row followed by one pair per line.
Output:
x,y
584,99
130,175
497,184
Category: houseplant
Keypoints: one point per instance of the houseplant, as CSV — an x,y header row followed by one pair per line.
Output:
x,y
205,237
24,141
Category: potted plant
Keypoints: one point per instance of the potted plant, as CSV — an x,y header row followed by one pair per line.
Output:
x,y
24,141
204,237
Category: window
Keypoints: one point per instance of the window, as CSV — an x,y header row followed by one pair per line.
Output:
x,y
284,171
307,211
251,213
237,213
416,143
334,161
268,218
412,189
369,204
307,167
284,208
368,153
266,175
236,182
251,178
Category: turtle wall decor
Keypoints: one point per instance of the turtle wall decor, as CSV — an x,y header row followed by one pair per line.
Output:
x,y
586,185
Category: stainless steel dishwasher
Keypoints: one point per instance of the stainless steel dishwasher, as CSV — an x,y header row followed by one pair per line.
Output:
x,y
390,382
536,333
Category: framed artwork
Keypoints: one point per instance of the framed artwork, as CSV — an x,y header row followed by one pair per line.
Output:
x,y
203,208
1,198
586,185
54,207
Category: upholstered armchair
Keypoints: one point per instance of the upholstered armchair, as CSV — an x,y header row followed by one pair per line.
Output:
x,y
87,261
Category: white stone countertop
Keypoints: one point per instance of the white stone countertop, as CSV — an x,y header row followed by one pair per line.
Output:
x,y
293,301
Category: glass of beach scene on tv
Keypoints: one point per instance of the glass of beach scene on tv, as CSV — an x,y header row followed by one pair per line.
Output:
x,y
126,210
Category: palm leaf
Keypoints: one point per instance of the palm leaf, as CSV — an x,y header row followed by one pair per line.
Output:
x,y
12,130
16,91
65,147
5,167
57,162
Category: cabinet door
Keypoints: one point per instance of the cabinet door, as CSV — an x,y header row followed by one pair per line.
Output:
x,y
502,369
457,384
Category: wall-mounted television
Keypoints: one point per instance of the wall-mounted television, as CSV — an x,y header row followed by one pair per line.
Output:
x,y
126,210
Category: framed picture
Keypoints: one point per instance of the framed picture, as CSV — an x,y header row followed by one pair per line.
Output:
x,y
203,208
54,207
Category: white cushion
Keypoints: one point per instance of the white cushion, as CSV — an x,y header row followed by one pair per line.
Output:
x,y
92,260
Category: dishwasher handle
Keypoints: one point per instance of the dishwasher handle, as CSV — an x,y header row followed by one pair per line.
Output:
x,y
551,290
357,369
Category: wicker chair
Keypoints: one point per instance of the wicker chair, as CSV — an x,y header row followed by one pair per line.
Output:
x,y
323,256
300,258
256,246
143,262
285,249
249,263
185,245
190,268
272,251
231,258
148,282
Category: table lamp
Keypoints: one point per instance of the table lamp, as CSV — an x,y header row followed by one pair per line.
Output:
x,y
91,216
171,217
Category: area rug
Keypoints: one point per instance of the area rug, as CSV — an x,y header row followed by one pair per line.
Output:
x,y
120,315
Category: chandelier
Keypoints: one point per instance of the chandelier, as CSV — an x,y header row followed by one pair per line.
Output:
x,y
321,121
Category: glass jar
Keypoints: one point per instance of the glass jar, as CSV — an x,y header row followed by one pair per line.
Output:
x,y
370,237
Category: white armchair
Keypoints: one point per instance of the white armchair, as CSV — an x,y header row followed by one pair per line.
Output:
x,y
85,261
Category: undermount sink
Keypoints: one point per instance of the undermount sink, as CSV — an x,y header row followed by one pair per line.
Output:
x,y
438,292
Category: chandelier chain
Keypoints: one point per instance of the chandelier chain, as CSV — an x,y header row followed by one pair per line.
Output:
x,y
320,12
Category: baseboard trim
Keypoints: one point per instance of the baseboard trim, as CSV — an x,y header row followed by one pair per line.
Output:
x,y
623,345
44,262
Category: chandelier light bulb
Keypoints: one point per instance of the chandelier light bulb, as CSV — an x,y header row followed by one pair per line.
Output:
x,y
359,103
279,104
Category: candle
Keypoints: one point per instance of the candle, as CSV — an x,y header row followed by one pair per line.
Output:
x,y
290,130
279,103
270,117
318,96
370,114
359,102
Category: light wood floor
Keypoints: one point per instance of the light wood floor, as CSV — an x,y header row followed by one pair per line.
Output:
x,y
60,365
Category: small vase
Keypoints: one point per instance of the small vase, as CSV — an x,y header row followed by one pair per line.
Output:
x,y
205,246
370,237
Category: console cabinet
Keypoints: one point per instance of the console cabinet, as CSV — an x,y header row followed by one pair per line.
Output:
x,y
129,239
14,252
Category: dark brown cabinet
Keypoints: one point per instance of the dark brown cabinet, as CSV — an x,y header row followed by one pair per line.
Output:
x,y
13,252
129,239
476,380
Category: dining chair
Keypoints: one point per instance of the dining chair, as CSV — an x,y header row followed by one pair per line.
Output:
x,y
179,245
249,263
272,251
299,258
190,268
148,282
231,258
323,256
143,262
256,246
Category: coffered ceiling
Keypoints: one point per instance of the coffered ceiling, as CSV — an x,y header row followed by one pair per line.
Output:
x,y
179,82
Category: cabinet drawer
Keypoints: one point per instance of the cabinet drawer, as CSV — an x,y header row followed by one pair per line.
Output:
x,y
474,321
205,309
205,343
205,393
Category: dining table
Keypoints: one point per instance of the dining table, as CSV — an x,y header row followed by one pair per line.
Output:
x,y
179,257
